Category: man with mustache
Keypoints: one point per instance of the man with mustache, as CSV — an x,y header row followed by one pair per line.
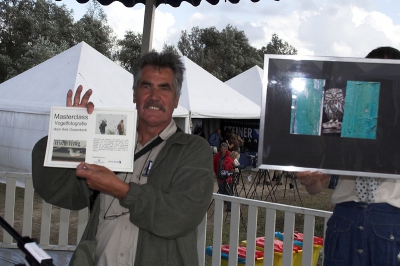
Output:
x,y
145,217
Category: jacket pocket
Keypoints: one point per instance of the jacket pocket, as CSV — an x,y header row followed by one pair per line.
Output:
x,y
386,244
337,239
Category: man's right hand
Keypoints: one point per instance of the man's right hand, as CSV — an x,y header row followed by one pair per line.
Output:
x,y
77,102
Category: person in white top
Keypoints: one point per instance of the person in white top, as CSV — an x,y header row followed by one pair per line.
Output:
x,y
365,225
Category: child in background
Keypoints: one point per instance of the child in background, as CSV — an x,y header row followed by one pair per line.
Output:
x,y
235,156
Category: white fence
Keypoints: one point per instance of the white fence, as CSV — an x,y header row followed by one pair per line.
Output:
x,y
252,207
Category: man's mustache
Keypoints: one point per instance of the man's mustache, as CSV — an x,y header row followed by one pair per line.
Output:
x,y
154,104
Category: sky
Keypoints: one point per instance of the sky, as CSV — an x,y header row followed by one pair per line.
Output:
x,y
345,28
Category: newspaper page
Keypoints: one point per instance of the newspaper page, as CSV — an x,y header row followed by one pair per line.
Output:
x,y
106,137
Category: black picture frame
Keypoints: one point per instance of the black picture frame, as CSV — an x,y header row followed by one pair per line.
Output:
x,y
349,133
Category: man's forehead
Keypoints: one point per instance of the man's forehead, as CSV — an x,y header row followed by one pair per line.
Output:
x,y
153,68
150,72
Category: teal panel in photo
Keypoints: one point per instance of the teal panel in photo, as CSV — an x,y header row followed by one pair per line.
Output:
x,y
307,95
361,110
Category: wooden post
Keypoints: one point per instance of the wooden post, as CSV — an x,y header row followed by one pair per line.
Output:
x,y
148,25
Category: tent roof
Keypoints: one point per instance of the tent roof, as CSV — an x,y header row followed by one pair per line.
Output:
x,y
205,96
46,85
249,84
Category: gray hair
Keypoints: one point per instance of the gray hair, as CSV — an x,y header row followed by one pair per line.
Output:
x,y
160,60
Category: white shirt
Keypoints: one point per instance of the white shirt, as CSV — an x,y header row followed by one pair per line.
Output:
x,y
388,191
117,238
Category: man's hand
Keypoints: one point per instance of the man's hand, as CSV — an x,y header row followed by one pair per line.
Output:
x,y
77,102
102,179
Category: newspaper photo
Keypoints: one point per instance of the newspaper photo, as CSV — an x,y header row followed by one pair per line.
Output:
x,y
106,137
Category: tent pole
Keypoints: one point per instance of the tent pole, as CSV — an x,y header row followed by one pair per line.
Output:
x,y
148,25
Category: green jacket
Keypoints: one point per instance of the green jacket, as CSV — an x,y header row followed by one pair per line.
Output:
x,y
167,209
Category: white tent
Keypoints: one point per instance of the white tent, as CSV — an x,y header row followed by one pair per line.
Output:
x,y
26,99
205,96
249,84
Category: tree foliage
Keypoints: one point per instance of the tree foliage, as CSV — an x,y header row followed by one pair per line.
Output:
x,y
32,31
277,46
224,54
129,50
28,27
170,48
93,29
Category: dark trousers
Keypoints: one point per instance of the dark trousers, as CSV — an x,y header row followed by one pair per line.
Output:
x,y
225,189
333,181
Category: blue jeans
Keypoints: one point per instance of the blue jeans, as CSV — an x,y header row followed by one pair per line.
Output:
x,y
363,234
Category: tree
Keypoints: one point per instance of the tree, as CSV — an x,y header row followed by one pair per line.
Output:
x,y
28,27
92,28
129,50
32,31
224,54
277,46
170,48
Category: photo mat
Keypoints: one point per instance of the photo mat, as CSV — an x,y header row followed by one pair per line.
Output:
x,y
331,114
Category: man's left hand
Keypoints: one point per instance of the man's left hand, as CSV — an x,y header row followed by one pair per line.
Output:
x,y
103,179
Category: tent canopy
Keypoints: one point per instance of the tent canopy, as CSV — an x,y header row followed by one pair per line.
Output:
x,y
205,96
249,84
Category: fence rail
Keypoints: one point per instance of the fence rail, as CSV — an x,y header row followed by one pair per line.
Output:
x,y
239,206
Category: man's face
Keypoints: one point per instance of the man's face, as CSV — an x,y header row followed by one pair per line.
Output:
x,y
219,132
223,150
155,97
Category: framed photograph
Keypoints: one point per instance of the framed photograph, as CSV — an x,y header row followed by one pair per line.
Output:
x,y
331,114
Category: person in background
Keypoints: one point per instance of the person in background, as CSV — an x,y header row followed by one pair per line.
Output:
x,y
235,157
121,127
102,127
232,141
145,217
333,181
199,131
215,140
364,228
223,168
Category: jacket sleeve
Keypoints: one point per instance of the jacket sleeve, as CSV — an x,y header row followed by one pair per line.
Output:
x,y
178,193
58,186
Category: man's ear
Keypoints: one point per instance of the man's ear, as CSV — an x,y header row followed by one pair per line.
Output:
x,y
176,102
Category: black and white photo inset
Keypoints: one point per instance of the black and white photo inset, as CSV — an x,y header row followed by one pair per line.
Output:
x,y
69,150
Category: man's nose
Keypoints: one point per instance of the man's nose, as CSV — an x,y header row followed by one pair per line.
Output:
x,y
154,93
